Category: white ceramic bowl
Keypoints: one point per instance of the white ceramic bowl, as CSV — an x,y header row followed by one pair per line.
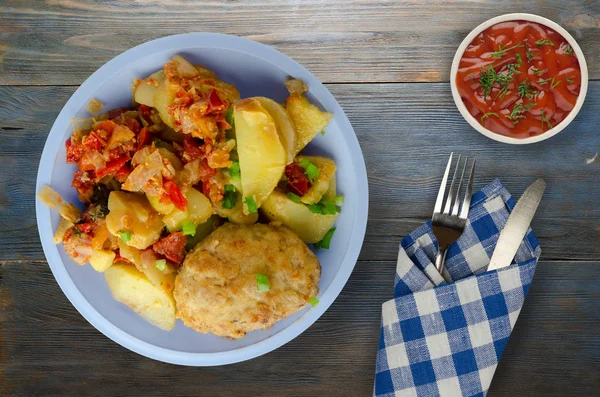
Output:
x,y
255,69
518,17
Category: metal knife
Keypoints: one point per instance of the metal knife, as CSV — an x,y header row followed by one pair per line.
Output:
x,y
516,226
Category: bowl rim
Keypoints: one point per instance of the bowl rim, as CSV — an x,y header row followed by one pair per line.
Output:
x,y
181,42
515,17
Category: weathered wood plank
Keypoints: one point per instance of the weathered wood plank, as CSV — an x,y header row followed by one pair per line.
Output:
x,y
47,348
63,42
406,132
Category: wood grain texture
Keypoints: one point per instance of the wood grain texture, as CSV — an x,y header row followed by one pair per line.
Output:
x,y
406,132
49,349
64,41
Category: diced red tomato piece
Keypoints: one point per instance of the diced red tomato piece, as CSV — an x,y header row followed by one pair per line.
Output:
x,y
298,182
83,181
123,173
192,150
143,138
74,151
177,198
132,124
172,247
86,227
93,141
145,112
215,103
112,167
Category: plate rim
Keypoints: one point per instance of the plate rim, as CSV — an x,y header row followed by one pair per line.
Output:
x,y
84,307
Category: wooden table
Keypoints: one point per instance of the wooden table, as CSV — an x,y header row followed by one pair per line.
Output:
x,y
388,64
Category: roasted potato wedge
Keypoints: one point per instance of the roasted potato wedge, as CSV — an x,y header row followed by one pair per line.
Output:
x,y
133,213
133,288
285,128
310,227
262,156
308,119
199,209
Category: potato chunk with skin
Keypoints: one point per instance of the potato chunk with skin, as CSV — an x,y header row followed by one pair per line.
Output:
x,y
285,128
261,154
145,261
199,209
310,227
133,213
321,186
102,260
133,288
308,119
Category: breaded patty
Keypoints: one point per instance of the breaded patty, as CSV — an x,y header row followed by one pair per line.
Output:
x,y
216,289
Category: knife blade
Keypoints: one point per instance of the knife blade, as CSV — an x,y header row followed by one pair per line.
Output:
x,y
516,226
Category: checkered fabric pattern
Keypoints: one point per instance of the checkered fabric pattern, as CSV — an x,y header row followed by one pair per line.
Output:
x,y
445,339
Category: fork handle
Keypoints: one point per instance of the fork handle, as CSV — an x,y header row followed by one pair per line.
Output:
x,y
440,262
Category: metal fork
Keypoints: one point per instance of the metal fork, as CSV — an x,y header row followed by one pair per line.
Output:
x,y
450,212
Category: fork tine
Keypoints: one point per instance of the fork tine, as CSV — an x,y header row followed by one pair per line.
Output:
x,y
464,212
440,197
450,191
456,206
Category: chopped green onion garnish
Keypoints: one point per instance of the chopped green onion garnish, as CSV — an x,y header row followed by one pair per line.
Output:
x,y
188,228
294,197
230,196
316,209
329,207
310,170
262,283
324,243
161,264
313,301
234,170
339,200
229,118
125,236
322,132
251,204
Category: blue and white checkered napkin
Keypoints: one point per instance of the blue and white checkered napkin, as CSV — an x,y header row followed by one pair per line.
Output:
x,y
445,339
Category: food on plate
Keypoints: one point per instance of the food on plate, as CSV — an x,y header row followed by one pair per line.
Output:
x,y
244,278
158,180
262,157
131,287
519,78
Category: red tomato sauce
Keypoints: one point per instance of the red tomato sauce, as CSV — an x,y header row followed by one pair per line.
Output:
x,y
519,78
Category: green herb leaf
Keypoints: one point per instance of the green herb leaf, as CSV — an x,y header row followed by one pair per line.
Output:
x,y
313,301
326,240
503,50
250,202
545,120
546,41
262,283
339,200
322,132
529,54
525,91
161,264
125,236
485,116
188,228
553,83
569,80
294,197
518,112
544,81
567,49
537,72
234,170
